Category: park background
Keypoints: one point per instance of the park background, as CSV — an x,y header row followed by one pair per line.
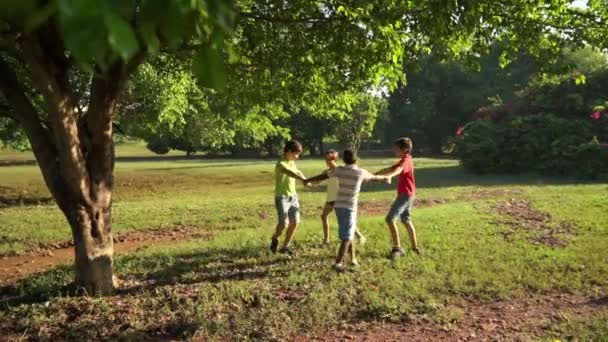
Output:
x,y
509,121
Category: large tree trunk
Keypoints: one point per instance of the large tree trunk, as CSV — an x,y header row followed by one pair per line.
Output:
x,y
93,243
74,150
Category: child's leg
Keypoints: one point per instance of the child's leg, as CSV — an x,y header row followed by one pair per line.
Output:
x,y
344,246
279,230
294,219
291,231
411,231
325,220
282,207
392,227
406,219
396,209
351,251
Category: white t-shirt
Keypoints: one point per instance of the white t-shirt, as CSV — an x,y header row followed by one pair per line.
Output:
x,y
349,178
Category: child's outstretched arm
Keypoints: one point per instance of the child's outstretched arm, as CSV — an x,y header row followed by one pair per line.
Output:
x,y
293,173
391,171
371,177
317,179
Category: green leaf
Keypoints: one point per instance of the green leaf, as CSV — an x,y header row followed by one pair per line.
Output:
x,y
84,32
16,9
208,67
40,16
121,38
150,39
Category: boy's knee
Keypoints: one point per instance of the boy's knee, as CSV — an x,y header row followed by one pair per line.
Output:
x,y
389,219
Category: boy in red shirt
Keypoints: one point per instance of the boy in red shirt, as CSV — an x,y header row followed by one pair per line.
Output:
x,y
406,192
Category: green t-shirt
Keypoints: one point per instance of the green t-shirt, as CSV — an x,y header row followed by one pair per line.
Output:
x,y
285,185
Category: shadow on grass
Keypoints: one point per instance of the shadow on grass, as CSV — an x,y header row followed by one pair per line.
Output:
x,y
207,266
451,176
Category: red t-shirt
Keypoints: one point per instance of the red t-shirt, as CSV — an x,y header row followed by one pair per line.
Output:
x,y
407,183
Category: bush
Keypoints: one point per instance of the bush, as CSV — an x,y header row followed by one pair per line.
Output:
x,y
541,143
158,146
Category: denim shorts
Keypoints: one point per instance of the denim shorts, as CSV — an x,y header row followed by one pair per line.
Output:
x,y
401,208
347,223
288,209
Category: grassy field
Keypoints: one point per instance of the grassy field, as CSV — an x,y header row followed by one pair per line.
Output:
x,y
484,238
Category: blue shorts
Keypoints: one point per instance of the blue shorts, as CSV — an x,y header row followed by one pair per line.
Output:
x,y
401,208
288,209
347,223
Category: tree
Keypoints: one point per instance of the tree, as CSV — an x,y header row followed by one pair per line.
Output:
x,y
357,123
60,47
440,96
76,56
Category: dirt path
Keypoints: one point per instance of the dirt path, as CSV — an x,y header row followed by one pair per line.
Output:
x,y
513,320
15,268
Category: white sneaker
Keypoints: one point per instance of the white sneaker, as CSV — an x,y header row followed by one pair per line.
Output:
x,y
339,268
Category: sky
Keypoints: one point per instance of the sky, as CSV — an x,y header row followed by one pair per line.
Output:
x,y
580,3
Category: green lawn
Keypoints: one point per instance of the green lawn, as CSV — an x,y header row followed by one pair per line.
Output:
x,y
231,287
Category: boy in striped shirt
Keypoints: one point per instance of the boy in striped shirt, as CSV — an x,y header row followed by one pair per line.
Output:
x,y
331,157
350,177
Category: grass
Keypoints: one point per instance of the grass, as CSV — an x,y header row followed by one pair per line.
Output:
x,y
230,287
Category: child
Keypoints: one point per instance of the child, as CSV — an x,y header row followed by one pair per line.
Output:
x,y
286,198
331,156
350,177
406,192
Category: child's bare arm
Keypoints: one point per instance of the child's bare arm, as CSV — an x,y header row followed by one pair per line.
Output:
x,y
317,179
371,178
391,171
292,174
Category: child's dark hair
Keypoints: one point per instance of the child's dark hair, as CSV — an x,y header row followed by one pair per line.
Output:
x,y
349,157
292,146
405,144
331,154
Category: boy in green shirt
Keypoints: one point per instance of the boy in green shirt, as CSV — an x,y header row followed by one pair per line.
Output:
x,y
286,198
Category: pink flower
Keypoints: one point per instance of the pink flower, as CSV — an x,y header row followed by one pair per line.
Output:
x,y
596,115
459,131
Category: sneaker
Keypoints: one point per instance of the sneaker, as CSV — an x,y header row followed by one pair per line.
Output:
x,y
354,263
274,245
397,252
339,268
287,250
417,250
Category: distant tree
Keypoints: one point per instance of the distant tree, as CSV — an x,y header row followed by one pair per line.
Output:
x,y
357,123
440,96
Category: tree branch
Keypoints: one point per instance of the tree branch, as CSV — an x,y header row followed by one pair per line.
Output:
x,y
105,92
51,78
292,20
39,137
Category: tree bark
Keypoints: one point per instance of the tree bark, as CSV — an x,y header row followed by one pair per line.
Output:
x,y
94,249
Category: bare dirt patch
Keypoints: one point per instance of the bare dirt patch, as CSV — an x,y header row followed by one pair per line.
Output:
x,y
520,215
23,200
382,207
17,267
480,194
514,320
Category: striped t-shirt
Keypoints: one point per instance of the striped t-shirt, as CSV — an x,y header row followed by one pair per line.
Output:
x,y
349,178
